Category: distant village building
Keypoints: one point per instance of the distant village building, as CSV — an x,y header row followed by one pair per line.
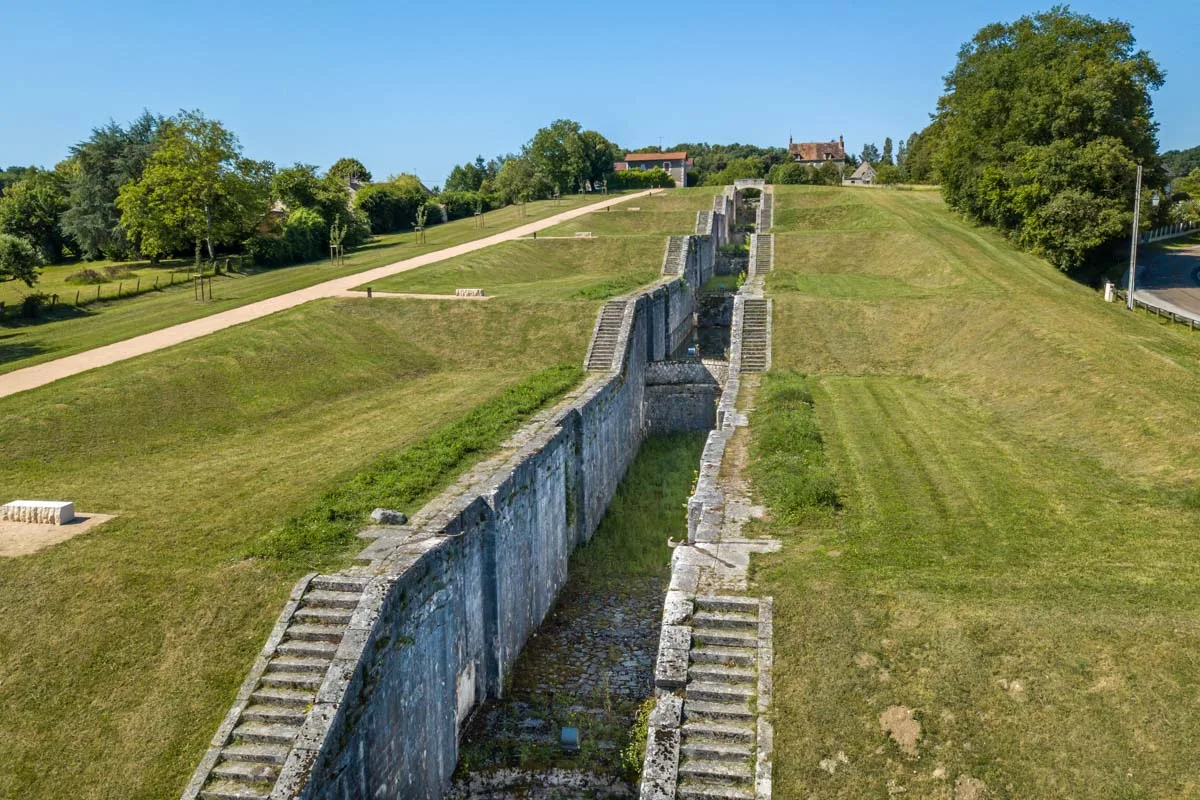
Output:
x,y
817,153
864,175
676,164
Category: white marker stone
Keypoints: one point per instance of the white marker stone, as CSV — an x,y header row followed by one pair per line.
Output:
x,y
43,512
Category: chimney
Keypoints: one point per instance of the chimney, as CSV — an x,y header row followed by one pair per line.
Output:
x,y
840,141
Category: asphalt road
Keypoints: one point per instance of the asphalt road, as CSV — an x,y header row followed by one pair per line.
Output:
x,y
1170,278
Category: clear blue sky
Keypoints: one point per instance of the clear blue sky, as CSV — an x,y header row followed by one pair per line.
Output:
x,y
421,86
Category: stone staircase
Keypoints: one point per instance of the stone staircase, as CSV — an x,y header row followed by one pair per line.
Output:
x,y
261,728
676,256
755,335
603,348
718,739
766,212
764,254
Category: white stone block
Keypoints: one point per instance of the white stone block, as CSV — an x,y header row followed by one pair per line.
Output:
x,y
43,512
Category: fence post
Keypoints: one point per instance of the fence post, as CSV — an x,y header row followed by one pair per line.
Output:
x,y
138,287
98,291
119,287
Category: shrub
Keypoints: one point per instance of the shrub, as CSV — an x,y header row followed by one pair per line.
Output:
x,y
390,206
787,453
886,174
656,178
32,304
792,173
85,277
462,204
117,271
303,236
18,259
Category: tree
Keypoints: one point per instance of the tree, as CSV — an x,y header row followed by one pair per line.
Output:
x,y
886,158
901,154
18,260
559,153
886,174
346,168
391,206
736,169
11,175
1178,162
471,176
31,208
1042,125
519,182
599,155
110,158
831,173
791,173
870,153
196,187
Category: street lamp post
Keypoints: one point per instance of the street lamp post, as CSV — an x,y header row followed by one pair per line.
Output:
x,y
1137,214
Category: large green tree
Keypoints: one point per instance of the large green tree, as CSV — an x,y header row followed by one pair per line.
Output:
x,y
1042,125
31,208
110,158
568,156
346,168
519,181
196,187
18,260
470,177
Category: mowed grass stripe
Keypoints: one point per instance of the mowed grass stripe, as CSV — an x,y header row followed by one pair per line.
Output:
x,y
1016,465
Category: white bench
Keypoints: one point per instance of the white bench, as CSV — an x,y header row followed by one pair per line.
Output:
x,y
44,512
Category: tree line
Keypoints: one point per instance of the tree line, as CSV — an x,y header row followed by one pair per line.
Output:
x,y
180,185
1039,134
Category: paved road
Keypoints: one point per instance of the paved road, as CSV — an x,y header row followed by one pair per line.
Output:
x,y
1171,279
41,374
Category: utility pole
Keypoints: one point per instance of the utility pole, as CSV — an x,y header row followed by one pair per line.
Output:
x,y
1137,216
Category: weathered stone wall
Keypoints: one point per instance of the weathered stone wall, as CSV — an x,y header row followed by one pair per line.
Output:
x,y
445,618
681,396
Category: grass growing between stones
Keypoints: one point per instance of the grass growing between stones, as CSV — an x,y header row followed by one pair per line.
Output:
x,y
121,649
71,330
546,269
1012,558
591,663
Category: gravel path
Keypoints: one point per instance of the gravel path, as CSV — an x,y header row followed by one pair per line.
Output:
x,y
41,374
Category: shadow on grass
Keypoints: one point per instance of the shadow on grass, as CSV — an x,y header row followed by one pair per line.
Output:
x,y
15,351
57,313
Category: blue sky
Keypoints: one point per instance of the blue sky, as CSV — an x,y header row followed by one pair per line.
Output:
x,y
419,87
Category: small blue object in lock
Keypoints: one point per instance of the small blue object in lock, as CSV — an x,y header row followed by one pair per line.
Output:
x,y
570,740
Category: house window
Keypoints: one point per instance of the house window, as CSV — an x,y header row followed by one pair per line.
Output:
x,y
666,165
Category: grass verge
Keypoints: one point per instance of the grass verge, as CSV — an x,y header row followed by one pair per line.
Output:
x,y
408,479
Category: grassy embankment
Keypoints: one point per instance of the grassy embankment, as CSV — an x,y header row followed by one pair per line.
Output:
x,y
121,649
69,330
1012,561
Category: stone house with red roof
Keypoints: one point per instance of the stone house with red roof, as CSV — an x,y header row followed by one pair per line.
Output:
x,y
817,153
676,164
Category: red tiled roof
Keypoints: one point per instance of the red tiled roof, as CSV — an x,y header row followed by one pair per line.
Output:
x,y
818,151
676,156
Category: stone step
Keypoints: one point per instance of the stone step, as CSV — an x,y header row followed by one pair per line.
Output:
x,y
234,790
324,598
719,692
720,673
340,583
299,664
329,616
724,638
260,753
280,696
719,730
701,790
307,649
715,771
292,680
724,655
315,633
246,771
726,619
748,605
266,712
702,709
266,732
716,749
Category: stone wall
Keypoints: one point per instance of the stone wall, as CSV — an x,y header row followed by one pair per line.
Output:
x,y
443,620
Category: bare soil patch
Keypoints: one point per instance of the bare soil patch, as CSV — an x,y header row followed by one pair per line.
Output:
x,y
23,538
904,729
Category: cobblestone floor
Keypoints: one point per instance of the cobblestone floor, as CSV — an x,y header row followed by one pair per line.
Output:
x,y
590,666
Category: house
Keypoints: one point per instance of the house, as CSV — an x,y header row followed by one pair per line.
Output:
x,y
864,175
676,164
817,153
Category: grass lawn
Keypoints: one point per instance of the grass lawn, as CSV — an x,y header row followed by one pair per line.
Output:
x,y
667,212
593,269
74,330
123,275
121,649
1013,556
